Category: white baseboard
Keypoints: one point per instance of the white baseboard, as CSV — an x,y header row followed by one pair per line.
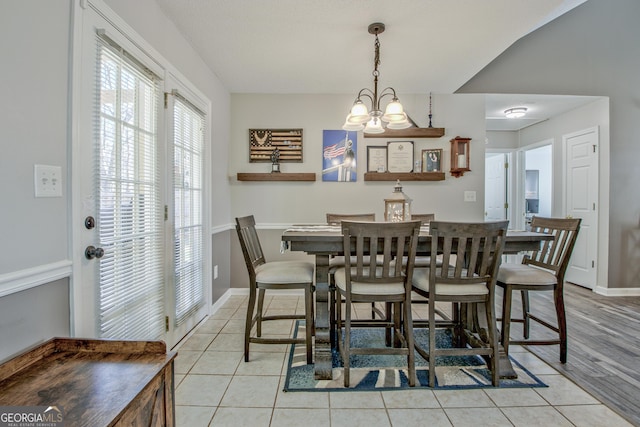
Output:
x,y
617,292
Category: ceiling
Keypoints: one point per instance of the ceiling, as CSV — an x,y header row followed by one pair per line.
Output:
x,y
323,46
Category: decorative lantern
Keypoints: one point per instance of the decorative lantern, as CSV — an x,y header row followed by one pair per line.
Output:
x,y
397,207
459,156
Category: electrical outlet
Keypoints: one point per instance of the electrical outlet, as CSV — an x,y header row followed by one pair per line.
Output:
x,y
469,196
47,181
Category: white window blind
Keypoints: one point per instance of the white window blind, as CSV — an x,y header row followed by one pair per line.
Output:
x,y
130,214
188,142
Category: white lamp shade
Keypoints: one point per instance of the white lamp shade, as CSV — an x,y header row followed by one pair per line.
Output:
x,y
358,113
352,126
374,126
394,107
403,124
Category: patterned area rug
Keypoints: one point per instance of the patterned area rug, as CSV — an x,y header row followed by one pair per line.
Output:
x,y
372,372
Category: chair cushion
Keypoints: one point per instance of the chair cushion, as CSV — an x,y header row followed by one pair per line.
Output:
x,y
421,282
522,274
283,272
360,288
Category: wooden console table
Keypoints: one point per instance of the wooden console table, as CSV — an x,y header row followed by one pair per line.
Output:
x,y
95,382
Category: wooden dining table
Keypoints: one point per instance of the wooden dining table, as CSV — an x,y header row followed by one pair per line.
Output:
x,y
324,241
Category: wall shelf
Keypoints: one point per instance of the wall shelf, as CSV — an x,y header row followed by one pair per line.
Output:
x,y
276,176
413,132
405,176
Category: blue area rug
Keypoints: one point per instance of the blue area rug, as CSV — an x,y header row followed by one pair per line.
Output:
x,y
373,372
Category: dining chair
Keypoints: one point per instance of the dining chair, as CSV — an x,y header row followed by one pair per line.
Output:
x,y
471,254
273,276
541,270
373,276
337,261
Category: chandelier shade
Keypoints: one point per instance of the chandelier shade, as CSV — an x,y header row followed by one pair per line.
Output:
x,y
394,116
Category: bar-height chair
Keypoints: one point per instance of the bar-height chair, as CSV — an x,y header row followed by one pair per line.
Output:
x,y
542,270
337,261
272,276
471,253
374,276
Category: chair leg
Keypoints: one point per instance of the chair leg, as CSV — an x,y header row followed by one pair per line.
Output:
x,y
309,325
408,334
432,343
506,317
259,313
562,322
346,356
249,321
525,314
493,343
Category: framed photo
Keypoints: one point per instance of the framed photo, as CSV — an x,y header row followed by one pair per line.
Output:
x,y
376,159
400,156
432,160
339,149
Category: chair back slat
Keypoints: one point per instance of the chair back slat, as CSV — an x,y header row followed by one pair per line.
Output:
x,y
554,254
250,243
336,219
368,242
471,252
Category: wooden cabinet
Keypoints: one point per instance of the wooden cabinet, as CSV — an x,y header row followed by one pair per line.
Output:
x,y
95,382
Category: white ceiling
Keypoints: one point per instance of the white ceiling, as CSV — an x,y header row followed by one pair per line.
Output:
x,y
323,46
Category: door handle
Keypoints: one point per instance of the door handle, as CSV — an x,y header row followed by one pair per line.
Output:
x,y
92,252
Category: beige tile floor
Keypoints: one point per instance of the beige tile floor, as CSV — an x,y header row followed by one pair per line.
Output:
x,y
215,387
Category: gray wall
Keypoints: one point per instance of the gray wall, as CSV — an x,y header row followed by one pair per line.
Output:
x,y
592,50
35,233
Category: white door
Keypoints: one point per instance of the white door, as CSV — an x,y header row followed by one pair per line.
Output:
x,y
138,194
495,202
581,199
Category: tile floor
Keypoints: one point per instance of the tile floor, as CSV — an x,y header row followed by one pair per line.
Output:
x,y
215,387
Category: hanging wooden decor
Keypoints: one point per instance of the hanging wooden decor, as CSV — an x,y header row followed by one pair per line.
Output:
x,y
263,142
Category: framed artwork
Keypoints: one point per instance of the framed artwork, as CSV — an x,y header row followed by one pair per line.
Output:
x,y
339,155
400,156
287,143
376,159
432,160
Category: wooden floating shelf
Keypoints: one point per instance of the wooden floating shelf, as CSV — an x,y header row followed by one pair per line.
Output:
x,y
408,133
276,176
406,176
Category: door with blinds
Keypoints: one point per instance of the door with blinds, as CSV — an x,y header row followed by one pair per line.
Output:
x,y
139,196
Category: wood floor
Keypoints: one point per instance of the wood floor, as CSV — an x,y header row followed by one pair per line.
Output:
x,y
604,345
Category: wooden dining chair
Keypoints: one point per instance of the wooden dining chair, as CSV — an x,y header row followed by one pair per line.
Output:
x,y
373,276
471,253
337,261
273,276
541,270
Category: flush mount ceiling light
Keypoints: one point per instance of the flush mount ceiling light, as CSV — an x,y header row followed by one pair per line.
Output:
x,y
515,113
394,115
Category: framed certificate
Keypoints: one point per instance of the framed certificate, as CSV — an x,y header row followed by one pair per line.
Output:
x,y
376,159
400,156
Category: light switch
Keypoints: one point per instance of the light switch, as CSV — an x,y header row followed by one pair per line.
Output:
x,y
47,181
469,196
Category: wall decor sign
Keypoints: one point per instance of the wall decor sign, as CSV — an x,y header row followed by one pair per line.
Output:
x,y
400,156
339,152
432,160
263,142
376,158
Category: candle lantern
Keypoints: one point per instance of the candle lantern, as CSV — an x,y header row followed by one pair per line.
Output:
x,y
397,206
459,156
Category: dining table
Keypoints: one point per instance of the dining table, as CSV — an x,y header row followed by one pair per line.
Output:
x,y
323,241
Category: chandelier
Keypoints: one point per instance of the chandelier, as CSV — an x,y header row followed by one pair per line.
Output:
x,y
394,115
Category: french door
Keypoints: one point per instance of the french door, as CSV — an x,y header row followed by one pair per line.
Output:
x,y
138,194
